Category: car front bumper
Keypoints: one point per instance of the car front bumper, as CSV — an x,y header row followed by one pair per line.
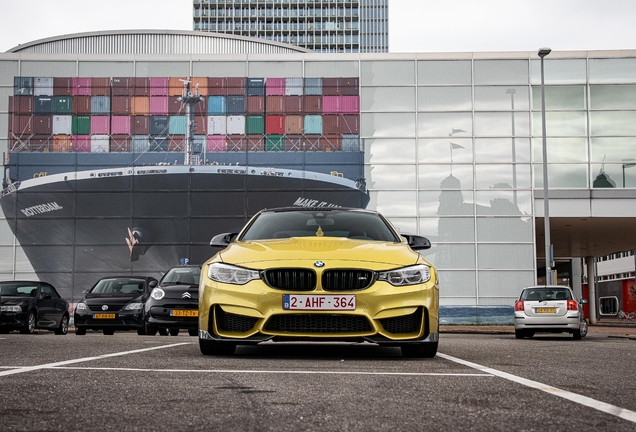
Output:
x,y
565,323
124,320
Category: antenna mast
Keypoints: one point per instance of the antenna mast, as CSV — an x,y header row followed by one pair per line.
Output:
x,y
189,99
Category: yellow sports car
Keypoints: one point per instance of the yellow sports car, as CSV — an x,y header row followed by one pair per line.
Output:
x,y
324,274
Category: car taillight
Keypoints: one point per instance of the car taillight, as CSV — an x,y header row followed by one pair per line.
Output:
x,y
519,305
572,305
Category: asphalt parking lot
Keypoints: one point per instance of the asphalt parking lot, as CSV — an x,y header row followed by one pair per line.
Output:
x,y
478,381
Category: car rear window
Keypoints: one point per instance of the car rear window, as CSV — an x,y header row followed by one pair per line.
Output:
x,y
540,294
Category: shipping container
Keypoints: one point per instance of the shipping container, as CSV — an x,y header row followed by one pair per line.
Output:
x,y
100,143
122,86
235,105
255,143
274,125
217,125
293,86
42,124
294,124
294,143
142,87
256,86
275,87
200,84
236,125
275,105
293,104
331,143
236,143
21,104
351,142
158,125
22,86
200,125
255,105
158,105
274,143
312,124
350,124
201,108
81,86
43,86
62,105
217,105
330,87
254,125
313,143
175,107
100,105
177,125
176,86
313,104
140,105
176,143
99,124
81,125
313,86
158,143
341,104
81,143
216,143
121,105
100,87
158,86
38,143
62,86
140,125
140,143
349,86
217,86
61,143
21,125
42,104
62,124
120,143
198,143
236,86
81,105
120,125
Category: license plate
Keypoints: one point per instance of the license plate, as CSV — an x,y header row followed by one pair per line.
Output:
x,y
184,313
546,310
319,302
104,316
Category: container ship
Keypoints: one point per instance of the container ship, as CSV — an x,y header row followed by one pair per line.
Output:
x,y
130,175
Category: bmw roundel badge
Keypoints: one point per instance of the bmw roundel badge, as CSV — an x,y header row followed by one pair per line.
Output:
x,y
319,264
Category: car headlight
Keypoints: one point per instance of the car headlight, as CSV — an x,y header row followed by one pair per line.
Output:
x,y
413,275
157,294
81,306
134,306
229,274
11,308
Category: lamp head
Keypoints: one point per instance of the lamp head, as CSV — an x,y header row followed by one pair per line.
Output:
x,y
544,52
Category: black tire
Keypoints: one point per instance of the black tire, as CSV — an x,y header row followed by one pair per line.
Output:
x,y
29,324
4,330
150,330
108,332
80,331
212,348
577,334
193,332
519,334
174,332
141,331
583,328
63,328
423,350
529,333
163,332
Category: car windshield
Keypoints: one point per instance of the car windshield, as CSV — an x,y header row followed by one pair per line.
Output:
x,y
182,275
546,293
319,223
119,286
19,290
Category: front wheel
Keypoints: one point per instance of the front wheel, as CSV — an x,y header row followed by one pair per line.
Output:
x,y
193,332
150,330
80,331
108,332
420,350
216,348
29,324
163,332
519,334
174,332
63,328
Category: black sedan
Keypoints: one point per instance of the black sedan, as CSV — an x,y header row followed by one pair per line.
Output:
x,y
174,303
30,305
114,303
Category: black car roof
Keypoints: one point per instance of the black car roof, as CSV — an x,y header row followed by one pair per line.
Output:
x,y
325,209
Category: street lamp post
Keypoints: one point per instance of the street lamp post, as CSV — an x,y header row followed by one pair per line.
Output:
x,y
546,202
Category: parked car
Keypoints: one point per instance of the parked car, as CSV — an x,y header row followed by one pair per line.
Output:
x,y
114,303
319,274
30,305
551,309
174,302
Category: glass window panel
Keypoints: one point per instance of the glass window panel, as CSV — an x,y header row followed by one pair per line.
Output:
x,y
444,124
505,256
387,72
394,203
614,175
503,203
559,124
6,236
563,150
612,149
501,72
393,125
502,150
448,229
445,177
384,177
567,71
331,69
452,256
502,123
444,99
387,99
613,97
502,176
458,150
616,123
6,258
454,283
404,225
559,98
501,98
451,203
512,230
621,70
561,176
389,150
440,72
504,283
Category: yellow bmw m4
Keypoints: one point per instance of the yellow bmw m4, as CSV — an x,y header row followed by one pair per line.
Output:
x,y
319,274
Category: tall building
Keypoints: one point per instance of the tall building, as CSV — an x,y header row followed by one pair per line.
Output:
x,y
330,26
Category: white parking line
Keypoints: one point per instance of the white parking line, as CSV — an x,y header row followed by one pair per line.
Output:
x,y
577,398
85,359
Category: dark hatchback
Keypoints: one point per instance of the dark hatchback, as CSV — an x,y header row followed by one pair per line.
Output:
x,y
114,303
30,305
174,303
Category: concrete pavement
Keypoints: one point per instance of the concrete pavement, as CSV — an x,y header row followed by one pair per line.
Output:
x,y
606,327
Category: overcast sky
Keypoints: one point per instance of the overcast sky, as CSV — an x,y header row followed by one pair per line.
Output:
x,y
414,25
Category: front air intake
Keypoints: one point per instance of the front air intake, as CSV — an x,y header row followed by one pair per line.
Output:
x,y
291,279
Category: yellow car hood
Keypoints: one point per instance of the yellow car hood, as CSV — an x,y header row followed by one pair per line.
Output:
x,y
284,252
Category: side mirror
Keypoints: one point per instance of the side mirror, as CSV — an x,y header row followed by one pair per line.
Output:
x,y
417,242
583,301
46,296
153,283
223,240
